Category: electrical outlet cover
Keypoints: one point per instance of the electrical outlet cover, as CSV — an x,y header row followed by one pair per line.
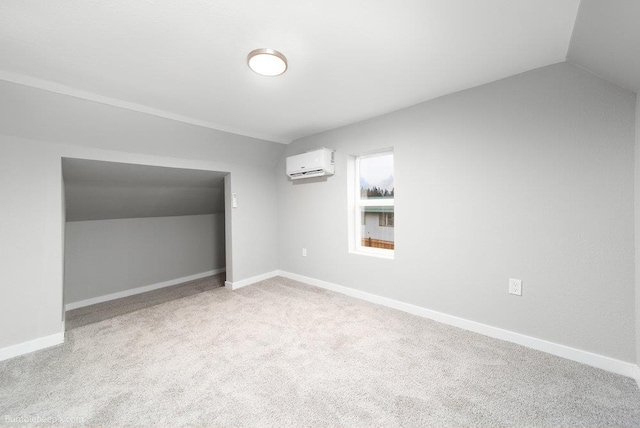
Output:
x,y
515,286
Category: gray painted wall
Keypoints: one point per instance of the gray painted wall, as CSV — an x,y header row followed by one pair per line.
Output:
x,y
41,115
38,129
637,224
108,256
605,40
530,177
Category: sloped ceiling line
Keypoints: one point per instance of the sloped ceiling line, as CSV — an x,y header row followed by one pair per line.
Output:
x,y
96,190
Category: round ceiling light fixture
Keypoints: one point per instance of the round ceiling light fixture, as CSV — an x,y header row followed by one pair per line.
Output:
x,y
267,62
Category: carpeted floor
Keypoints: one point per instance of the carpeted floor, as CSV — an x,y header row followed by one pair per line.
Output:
x,y
280,353
103,311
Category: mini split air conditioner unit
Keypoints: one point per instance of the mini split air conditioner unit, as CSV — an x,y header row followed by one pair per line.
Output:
x,y
316,163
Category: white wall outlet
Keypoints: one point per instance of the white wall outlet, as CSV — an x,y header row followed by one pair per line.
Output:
x,y
304,252
515,286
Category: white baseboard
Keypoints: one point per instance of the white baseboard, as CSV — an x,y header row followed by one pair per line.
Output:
x,y
600,361
138,290
244,282
31,346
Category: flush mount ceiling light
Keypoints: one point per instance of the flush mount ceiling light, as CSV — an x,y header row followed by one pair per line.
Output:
x,y
267,62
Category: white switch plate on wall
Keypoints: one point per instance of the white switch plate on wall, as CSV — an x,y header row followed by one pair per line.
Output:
x,y
304,252
515,286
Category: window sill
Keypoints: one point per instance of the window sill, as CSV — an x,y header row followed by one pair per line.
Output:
x,y
380,255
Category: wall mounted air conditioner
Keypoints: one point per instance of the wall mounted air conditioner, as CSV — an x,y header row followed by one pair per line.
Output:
x,y
316,163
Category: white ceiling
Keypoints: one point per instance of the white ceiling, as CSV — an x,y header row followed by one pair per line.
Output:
x,y
348,60
96,190
606,40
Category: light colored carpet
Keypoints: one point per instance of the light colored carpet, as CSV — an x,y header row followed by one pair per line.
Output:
x,y
113,308
280,353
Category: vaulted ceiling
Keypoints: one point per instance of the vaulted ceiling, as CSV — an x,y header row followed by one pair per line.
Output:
x,y
96,190
348,60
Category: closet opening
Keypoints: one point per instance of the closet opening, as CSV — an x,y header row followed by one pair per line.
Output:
x,y
136,236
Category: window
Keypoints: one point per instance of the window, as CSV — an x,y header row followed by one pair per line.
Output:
x,y
372,204
386,219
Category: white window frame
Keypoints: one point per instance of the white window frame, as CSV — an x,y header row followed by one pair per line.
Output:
x,y
356,204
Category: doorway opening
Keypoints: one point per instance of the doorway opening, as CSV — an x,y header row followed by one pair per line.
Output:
x,y
139,235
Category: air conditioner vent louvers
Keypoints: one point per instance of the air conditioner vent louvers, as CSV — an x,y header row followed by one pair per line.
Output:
x,y
316,163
